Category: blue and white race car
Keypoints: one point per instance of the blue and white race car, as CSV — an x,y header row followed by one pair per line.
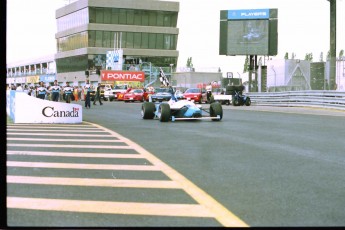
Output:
x,y
175,110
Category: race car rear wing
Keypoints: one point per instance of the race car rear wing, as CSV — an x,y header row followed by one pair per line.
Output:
x,y
173,118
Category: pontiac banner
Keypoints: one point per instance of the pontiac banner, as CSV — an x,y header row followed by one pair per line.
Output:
x,y
109,75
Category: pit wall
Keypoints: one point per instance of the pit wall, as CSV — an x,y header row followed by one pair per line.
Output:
x,y
22,108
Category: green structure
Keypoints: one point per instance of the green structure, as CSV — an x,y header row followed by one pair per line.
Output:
x,y
86,31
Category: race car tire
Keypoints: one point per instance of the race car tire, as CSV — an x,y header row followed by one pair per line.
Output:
x,y
235,102
216,110
248,102
164,111
148,110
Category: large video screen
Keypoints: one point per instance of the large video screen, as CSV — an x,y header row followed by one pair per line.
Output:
x,y
248,32
246,37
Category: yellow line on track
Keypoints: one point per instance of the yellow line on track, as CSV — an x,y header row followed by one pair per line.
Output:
x,y
82,166
155,209
85,155
223,215
93,182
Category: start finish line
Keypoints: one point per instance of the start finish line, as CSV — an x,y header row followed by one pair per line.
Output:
x,y
23,108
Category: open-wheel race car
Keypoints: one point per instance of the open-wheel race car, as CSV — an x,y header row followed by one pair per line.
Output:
x,y
175,110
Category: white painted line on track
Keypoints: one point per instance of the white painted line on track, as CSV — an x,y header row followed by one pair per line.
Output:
x,y
93,182
11,127
45,125
57,134
64,130
154,209
69,146
207,206
81,166
62,140
74,154
223,215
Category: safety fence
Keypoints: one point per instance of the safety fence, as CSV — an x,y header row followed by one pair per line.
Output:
x,y
309,98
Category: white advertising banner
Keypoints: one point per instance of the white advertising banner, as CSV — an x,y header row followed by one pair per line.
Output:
x,y
114,60
23,108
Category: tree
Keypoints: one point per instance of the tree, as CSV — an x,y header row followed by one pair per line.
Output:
x,y
341,53
328,55
286,57
308,57
293,55
189,62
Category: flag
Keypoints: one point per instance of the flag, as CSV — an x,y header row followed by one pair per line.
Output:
x,y
163,79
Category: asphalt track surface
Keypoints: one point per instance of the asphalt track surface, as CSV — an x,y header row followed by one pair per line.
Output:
x,y
259,166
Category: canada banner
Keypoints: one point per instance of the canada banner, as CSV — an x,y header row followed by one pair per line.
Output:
x,y
109,75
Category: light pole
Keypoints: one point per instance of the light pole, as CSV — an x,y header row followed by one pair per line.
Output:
x,y
333,43
275,78
150,64
171,69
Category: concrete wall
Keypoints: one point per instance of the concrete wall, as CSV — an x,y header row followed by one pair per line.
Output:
x,y
288,74
192,79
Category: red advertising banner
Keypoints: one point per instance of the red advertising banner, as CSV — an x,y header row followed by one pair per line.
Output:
x,y
111,75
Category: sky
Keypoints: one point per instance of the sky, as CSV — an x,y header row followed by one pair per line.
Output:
x,y
303,27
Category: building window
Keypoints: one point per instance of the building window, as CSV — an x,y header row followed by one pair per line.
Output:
x,y
122,17
145,41
72,64
105,39
123,40
137,17
152,18
72,42
115,16
152,41
129,40
99,38
144,18
73,20
160,18
160,41
118,16
99,15
107,16
130,17
137,40
92,38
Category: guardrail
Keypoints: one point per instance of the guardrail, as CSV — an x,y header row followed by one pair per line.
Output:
x,y
309,98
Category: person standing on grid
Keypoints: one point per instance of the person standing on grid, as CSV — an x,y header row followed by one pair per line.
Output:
x,y
55,91
41,91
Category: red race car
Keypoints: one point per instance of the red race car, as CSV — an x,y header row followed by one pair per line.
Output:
x,y
120,96
134,95
195,94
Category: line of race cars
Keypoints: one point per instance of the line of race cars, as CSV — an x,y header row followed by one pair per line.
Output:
x,y
170,104
229,95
